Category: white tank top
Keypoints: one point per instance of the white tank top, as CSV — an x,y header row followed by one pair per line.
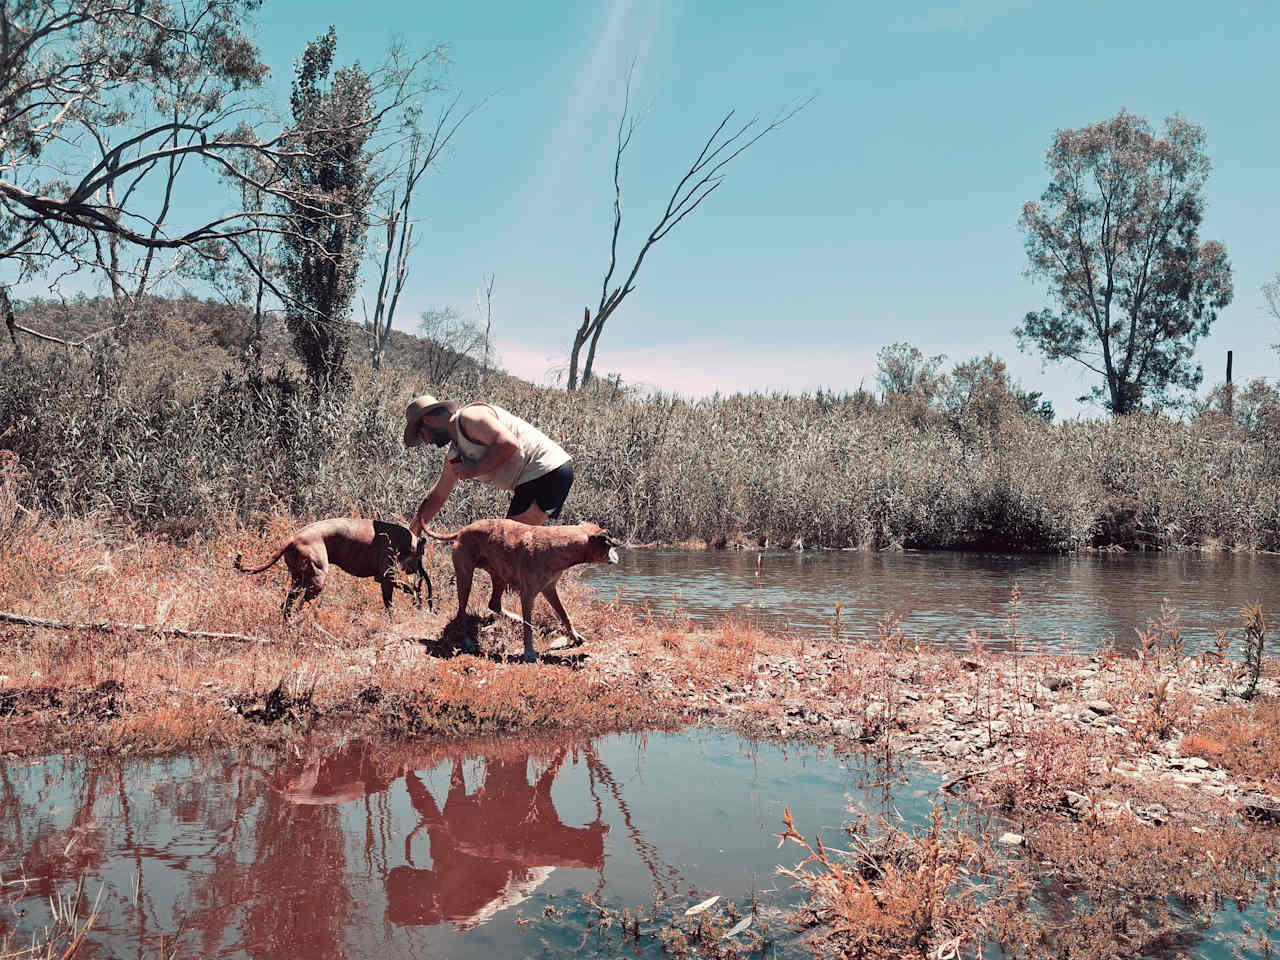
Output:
x,y
538,454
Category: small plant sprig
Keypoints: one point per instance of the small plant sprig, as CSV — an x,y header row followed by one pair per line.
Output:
x,y
1255,633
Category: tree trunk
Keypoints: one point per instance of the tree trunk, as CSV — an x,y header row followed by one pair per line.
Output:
x,y
579,338
6,308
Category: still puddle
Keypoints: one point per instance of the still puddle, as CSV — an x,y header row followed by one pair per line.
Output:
x,y
487,850
1069,602
398,850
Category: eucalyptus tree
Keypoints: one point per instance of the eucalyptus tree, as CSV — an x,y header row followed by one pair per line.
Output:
x,y
107,110
1116,234
329,187
116,121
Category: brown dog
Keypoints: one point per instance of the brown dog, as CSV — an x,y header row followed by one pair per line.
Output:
x,y
530,558
363,548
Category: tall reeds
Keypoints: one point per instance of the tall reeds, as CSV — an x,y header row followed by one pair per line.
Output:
x,y
112,436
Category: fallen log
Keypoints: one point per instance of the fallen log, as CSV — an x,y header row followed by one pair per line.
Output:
x,y
106,626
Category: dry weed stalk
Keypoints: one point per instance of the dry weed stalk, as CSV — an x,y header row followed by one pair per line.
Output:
x,y
897,896
1255,633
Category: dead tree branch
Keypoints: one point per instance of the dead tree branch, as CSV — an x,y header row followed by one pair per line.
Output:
x,y
703,176
104,626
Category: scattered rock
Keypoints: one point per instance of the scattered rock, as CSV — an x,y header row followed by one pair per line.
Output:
x,y
1012,839
1194,763
1087,716
1102,708
1157,813
969,663
1053,681
1262,813
1078,802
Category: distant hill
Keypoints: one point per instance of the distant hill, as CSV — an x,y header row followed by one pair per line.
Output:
x,y
204,337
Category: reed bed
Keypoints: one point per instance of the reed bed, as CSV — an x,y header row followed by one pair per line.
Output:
x,y
164,441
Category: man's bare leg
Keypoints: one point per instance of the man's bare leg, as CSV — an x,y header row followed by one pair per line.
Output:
x,y
535,516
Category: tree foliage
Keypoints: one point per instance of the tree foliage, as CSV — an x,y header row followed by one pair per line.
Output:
x,y
450,344
103,106
983,384
903,371
1116,235
329,191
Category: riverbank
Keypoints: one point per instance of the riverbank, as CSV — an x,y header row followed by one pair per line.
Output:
x,y
146,645
1092,763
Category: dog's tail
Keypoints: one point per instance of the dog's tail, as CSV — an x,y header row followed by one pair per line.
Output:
x,y
441,536
239,565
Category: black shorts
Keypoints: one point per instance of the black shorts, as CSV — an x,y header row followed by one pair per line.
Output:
x,y
548,491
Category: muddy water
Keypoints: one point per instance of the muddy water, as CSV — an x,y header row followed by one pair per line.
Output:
x,y
394,850
1068,602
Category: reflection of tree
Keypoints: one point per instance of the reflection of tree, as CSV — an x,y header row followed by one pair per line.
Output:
x,y
489,849
666,878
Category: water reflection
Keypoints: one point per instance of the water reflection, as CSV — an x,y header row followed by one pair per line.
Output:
x,y
390,849
1068,602
394,850
490,848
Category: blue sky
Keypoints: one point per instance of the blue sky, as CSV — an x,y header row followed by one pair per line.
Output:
x,y
886,210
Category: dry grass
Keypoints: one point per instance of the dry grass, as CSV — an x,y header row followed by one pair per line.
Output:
x,y
897,896
1242,739
71,917
1067,891
343,660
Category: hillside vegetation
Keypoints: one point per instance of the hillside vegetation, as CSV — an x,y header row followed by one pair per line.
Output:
x,y
172,428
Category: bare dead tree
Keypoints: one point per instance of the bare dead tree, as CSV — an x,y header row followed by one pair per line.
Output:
x,y
1271,293
422,151
702,178
488,320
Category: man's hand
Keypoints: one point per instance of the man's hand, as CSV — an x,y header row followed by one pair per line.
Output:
x,y
435,499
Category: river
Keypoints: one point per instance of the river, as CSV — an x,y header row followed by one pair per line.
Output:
x,y
1069,602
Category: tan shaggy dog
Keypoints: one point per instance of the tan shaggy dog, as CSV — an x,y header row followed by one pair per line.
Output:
x,y
528,558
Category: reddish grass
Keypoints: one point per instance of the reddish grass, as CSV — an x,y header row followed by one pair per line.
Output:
x,y
1241,739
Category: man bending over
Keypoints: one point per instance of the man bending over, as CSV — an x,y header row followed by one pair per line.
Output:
x,y
489,444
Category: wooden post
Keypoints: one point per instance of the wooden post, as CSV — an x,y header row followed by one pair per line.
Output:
x,y
1230,405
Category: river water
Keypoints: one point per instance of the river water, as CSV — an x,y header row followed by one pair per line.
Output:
x,y
1077,602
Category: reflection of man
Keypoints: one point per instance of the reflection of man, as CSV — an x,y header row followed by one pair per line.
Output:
x,y
489,850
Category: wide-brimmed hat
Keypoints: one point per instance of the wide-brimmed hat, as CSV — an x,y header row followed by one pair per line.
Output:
x,y
418,408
